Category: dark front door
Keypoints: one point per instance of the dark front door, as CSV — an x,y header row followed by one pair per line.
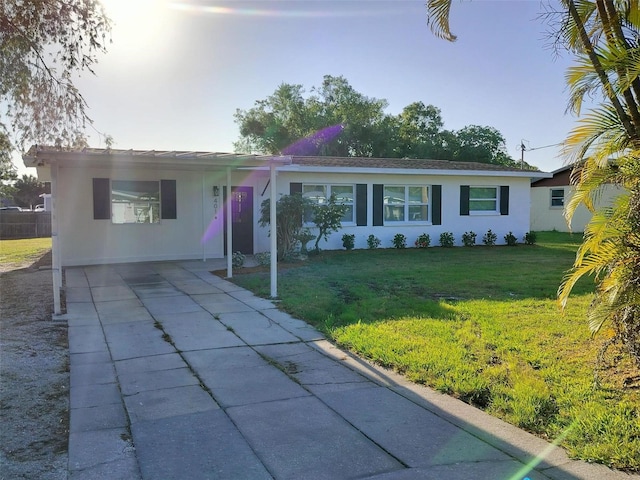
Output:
x,y
241,220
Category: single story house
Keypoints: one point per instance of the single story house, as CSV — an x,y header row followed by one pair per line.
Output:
x,y
114,206
549,196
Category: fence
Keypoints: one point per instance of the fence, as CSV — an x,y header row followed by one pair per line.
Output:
x,y
24,224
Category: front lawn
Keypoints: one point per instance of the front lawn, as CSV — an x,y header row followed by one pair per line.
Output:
x,y
480,324
23,252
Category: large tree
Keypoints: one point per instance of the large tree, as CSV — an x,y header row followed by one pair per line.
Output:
x,y
28,190
604,36
44,44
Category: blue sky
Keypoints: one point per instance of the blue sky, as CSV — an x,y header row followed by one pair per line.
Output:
x,y
177,71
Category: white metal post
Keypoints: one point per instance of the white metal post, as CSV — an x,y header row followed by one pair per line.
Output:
x,y
229,224
56,261
274,231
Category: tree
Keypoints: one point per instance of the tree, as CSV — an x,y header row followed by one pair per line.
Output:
x,y
7,170
334,120
289,213
28,190
419,128
482,144
43,44
604,36
327,218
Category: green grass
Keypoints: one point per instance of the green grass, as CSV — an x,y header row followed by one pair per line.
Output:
x,y
24,251
481,324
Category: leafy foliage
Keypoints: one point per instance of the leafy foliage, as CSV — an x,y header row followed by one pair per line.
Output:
x,y
530,238
489,238
423,240
469,239
399,241
27,191
373,242
44,44
336,120
348,241
510,239
237,260
327,218
446,239
289,212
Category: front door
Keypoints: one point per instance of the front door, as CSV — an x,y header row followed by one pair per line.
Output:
x,y
241,220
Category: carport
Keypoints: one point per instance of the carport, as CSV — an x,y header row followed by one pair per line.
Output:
x,y
53,163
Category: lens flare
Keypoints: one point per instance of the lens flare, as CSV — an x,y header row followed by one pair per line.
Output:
x,y
312,144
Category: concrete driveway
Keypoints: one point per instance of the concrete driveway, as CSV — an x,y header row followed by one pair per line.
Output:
x,y
179,374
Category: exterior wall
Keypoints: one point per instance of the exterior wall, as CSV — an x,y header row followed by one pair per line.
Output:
x,y
86,241
517,221
544,217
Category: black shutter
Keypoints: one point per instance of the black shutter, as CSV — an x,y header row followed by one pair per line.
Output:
x,y
361,204
378,205
101,199
436,204
295,187
464,199
504,200
168,206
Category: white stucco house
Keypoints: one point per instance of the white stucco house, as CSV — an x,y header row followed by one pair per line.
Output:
x,y
114,206
549,196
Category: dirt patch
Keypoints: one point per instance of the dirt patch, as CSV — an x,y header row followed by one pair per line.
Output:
x,y
34,365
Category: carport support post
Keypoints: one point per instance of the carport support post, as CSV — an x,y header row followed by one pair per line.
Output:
x,y
56,267
229,225
274,232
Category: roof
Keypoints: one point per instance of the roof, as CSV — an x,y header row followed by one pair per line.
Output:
x,y
42,155
39,155
404,163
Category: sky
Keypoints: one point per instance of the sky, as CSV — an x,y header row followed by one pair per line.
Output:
x,y
176,71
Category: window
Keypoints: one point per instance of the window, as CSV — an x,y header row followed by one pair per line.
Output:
x,y
483,199
403,203
320,194
557,197
135,201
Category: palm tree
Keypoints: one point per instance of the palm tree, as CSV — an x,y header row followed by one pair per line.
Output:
x,y
604,148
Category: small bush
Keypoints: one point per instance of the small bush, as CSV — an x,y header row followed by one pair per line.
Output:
x,y
237,260
511,239
399,241
423,241
446,239
489,238
263,258
348,241
373,242
469,239
530,238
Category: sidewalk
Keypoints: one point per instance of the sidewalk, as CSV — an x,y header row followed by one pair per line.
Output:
x,y
179,374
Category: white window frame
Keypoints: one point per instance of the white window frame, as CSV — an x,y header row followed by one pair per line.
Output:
x,y
407,205
495,211
138,211
328,190
552,198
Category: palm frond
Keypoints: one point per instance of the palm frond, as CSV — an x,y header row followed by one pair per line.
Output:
x,y
438,19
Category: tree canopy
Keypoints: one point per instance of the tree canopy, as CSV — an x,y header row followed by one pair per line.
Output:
x,y
336,120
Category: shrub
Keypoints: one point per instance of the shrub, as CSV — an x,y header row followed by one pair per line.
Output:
x,y
489,238
289,210
399,241
348,241
530,238
237,260
423,241
446,239
263,258
469,239
304,237
511,239
373,242
328,218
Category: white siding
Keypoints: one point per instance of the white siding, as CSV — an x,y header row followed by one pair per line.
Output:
x,y
544,217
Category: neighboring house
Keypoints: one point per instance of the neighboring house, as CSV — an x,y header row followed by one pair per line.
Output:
x,y
549,196
112,206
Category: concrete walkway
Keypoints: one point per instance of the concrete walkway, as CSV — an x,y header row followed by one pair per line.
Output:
x,y
179,374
